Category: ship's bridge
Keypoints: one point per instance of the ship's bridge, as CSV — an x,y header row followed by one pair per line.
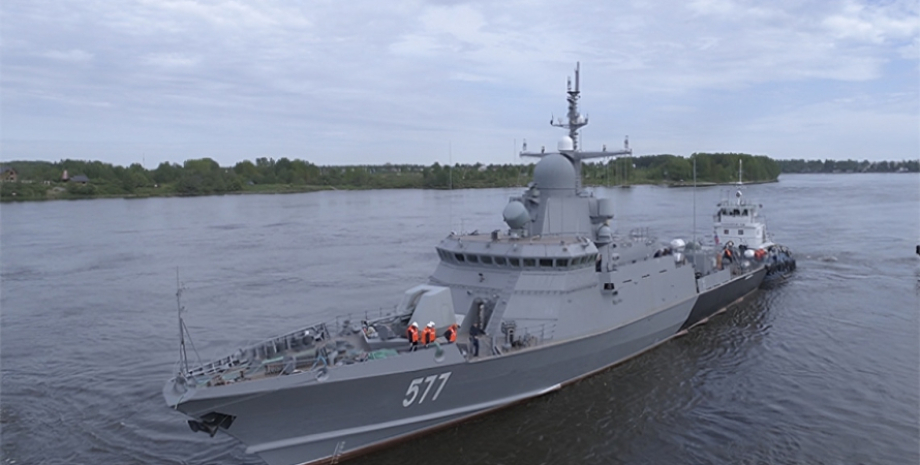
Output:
x,y
740,222
501,251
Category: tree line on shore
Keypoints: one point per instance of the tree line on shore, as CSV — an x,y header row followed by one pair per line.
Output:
x,y
848,166
45,180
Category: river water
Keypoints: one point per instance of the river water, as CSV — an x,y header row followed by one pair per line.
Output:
x,y
819,369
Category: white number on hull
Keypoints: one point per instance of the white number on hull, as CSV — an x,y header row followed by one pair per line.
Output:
x,y
413,392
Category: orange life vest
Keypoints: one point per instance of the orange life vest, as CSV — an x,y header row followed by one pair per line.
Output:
x,y
412,334
428,335
451,333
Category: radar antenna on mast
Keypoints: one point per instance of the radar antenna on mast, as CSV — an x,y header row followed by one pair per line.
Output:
x,y
569,146
575,120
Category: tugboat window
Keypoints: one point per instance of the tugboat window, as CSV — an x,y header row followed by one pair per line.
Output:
x,y
459,257
486,259
500,261
530,262
547,262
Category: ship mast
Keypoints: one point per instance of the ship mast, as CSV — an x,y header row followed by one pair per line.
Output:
x,y
740,163
183,354
576,121
570,148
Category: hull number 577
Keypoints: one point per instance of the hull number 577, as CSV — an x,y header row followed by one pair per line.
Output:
x,y
417,384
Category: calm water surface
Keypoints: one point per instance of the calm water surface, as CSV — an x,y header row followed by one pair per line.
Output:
x,y
820,369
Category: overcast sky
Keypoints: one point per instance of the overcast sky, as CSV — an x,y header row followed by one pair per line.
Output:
x,y
371,81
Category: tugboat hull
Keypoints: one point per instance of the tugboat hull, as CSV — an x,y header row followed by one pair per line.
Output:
x,y
714,300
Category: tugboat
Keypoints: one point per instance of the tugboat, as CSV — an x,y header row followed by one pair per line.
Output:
x,y
742,259
740,223
516,313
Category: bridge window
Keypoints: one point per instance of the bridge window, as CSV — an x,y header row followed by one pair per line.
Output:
x,y
740,232
562,262
500,261
514,262
459,257
472,258
546,262
530,262
486,260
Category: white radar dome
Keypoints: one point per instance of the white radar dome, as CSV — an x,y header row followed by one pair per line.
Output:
x,y
554,171
516,215
678,244
566,144
604,235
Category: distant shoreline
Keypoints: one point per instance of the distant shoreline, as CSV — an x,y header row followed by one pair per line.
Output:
x,y
710,184
280,189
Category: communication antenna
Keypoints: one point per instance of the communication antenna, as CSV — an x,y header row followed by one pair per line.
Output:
x,y
183,331
694,199
183,355
740,163
450,182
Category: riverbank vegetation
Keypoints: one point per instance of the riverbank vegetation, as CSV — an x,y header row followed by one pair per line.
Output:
x,y
74,179
848,166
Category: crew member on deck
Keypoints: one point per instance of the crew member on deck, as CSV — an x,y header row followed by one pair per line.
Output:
x,y
429,334
475,332
451,333
412,335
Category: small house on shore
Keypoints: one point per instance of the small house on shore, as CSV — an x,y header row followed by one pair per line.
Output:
x,y
8,174
79,179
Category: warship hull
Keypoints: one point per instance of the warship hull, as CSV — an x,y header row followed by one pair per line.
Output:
x,y
315,421
558,296
715,300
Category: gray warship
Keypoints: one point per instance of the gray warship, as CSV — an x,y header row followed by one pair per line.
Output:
x,y
557,296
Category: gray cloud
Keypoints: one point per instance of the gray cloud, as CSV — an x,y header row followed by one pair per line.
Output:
x,y
375,82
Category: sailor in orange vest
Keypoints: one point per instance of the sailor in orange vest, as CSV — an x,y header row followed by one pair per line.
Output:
x,y
412,335
429,334
451,333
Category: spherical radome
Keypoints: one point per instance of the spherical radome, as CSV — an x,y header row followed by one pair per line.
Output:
x,y
565,144
554,171
516,215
